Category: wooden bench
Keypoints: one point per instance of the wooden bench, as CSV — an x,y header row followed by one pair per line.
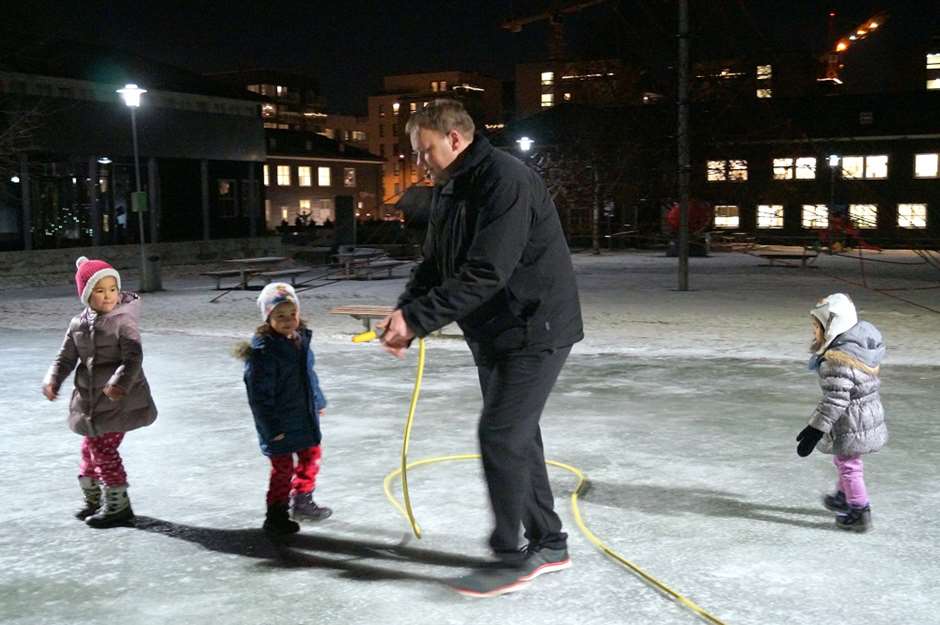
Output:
x,y
270,276
368,270
244,274
364,313
771,257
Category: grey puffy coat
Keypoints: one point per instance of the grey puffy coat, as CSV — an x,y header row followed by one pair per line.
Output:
x,y
850,413
106,349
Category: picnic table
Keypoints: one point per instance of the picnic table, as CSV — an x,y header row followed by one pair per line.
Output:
x,y
775,255
244,268
358,257
364,313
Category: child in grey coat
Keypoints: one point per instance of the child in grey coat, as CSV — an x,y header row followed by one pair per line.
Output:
x,y
849,420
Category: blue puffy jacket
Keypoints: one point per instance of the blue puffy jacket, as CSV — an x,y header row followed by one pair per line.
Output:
x,y
284,392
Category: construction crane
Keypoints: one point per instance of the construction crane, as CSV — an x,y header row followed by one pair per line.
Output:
x,y
554,13
833,58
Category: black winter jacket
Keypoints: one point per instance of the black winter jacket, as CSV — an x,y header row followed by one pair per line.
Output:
x,y
495,259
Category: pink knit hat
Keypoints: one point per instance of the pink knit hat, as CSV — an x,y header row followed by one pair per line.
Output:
x,y
89,272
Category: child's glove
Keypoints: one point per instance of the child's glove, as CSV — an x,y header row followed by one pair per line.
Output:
x,y
808,438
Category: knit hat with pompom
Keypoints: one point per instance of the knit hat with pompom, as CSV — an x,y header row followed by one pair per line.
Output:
x,y
89,272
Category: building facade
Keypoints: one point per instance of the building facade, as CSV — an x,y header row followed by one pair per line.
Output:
x,y
68,181
306,173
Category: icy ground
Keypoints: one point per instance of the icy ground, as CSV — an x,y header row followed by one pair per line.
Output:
x,y
681,408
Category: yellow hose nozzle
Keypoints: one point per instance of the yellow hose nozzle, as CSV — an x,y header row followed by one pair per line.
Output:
x,y
365,337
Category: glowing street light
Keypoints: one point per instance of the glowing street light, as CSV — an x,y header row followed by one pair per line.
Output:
x,y
131,95
525,143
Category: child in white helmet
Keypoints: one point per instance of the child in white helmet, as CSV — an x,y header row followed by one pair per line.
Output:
x,y
287,403
849,420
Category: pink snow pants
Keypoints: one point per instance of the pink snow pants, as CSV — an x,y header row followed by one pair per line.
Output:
x,y
101,460
851,479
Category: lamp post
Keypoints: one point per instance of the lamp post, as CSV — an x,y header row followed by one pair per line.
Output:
x,y
131,95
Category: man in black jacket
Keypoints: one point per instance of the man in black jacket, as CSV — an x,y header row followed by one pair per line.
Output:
x,y
496,262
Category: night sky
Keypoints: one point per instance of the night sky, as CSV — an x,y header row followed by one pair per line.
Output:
x,y
349,46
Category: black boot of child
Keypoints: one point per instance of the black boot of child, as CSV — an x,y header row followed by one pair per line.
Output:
x,y
277,521
855,520
91,491
836,502
115,511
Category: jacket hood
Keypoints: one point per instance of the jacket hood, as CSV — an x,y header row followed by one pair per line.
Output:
x,y
863,342
837,314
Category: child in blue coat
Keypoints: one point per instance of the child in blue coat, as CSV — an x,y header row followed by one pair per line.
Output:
x,y
287,403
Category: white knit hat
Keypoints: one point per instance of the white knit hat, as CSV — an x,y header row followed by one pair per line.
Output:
x,y
274,294
837,314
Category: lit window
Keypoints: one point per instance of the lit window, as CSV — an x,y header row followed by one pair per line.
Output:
x,y
304,206
548,99
815,216
716,171
280,90
395,107
265,175
349,176
283,175
926,165
323,176
737,170
433,85
765,72
806,168
303,176
875,166
913,216
783,168
443,86
566,97
727,216
765,93
803,168
853,167
284,213
864,215
413,107
548,79
933,70
770,216
733,170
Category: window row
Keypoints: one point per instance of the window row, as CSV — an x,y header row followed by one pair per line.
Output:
x,y
873,167
304,176
815,216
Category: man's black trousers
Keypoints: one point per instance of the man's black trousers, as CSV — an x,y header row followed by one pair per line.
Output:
x,y
515,388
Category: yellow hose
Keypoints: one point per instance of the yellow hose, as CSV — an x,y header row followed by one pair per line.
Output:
x,y
407,511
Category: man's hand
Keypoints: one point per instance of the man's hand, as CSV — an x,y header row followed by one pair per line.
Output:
x,y
396,335
49,392
114,392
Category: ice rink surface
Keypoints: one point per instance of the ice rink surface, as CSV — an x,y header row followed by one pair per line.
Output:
x,y
681,408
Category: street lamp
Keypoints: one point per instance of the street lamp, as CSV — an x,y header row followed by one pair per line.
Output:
x,y
833,167
525,143
131,95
